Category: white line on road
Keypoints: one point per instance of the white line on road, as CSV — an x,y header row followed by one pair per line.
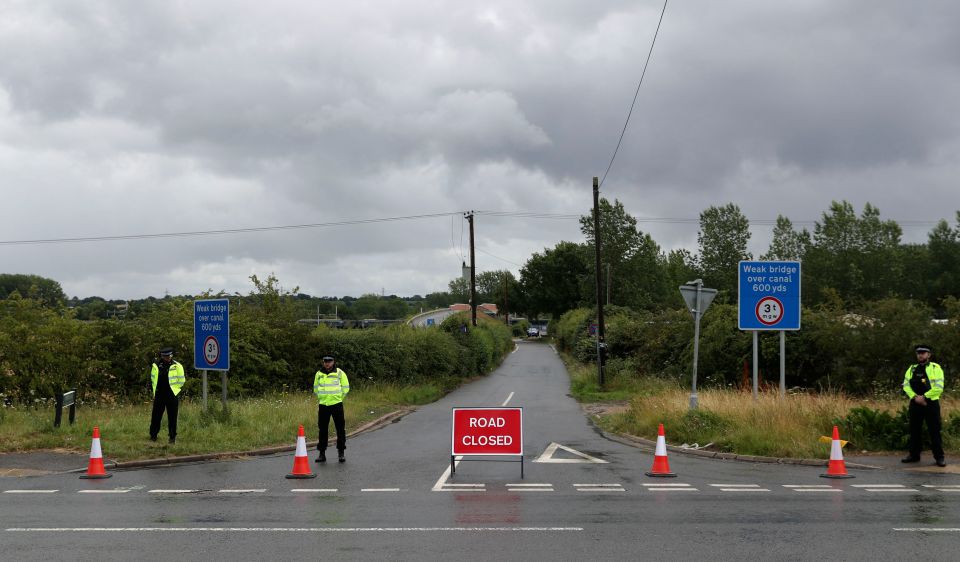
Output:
x,y
929,530
877,485
287,529
735,485
666,485
505,402
314,490
172,491
379,489
741,489
103,491
817,490
806,486
30,491
891,490
251,491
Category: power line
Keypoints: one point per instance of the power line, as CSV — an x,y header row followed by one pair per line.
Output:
x,y
634,102
499,258
501,214
219,232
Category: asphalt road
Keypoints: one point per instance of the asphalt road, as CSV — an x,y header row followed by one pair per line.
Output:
x,y
394,498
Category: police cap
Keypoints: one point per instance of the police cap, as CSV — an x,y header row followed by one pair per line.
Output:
x,y
923,347
166,351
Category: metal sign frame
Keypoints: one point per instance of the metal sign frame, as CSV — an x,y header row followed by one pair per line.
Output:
x,y
454,456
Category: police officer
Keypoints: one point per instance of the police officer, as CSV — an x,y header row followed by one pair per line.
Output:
x,y
330,385
167,377
923,383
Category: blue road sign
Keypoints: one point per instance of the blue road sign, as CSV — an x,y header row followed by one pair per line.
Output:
x,y
211,335
769,295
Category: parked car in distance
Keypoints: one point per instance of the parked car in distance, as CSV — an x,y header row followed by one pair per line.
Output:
x,y
533,333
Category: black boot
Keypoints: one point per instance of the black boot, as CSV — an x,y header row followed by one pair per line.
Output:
x,y
342,458
910,458
322,457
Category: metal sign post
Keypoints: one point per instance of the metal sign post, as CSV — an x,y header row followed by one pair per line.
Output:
x,y
769,299
211,341
698,299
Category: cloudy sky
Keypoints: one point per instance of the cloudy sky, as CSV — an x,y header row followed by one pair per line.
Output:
x,y
126,118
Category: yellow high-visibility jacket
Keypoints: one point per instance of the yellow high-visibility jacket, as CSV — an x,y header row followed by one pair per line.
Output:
x,y
175,375
934,376
330,388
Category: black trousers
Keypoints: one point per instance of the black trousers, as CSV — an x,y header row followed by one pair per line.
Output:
x,y
324,413
169,402
931,414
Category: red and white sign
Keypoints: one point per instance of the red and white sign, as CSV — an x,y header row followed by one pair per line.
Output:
x,y
487,431
769,311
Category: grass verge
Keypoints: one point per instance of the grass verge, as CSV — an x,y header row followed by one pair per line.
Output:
x,y
246,424
733,422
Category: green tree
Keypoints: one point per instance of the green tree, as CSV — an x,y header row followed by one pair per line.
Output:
x,y
553,281
630,258
47,292
942,264
723,237
787,244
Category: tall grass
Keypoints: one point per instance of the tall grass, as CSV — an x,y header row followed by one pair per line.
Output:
x,y
732,420
246,424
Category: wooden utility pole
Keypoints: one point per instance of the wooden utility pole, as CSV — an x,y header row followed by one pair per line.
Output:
x,y
506,294
601,342
473,274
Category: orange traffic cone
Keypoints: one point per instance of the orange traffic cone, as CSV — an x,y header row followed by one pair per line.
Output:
x,y
661,467
837,468
95,467
301,465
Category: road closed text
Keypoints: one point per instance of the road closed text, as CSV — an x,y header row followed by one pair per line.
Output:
x,y
487,431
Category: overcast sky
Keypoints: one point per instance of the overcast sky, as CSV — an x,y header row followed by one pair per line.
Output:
x,y
126,118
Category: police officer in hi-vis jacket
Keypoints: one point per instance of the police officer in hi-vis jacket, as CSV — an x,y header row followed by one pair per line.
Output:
x,y
330,385
923,383
167,378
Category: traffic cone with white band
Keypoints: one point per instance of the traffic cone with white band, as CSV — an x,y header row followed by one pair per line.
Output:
x,y
837,468
301,464
95,466
661,467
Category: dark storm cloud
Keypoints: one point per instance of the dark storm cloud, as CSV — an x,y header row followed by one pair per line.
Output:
x,y
120,118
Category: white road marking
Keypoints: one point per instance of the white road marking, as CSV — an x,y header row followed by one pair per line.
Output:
x,y
929,529
250,491
807,486
877,485
287,529
740,488
547,456
449,485
524,487
446,474
313,490
30,491
172,491
818,490
505,402
379,489
666,485
121,491
891,490
599,487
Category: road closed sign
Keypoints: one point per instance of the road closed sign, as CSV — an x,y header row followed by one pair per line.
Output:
x,y
487,431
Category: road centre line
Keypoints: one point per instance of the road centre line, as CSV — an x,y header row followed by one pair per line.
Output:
x,y
250,491
314,490
379,489
806,486
288,529
744,489
505,402
30,491
666,485
103,491
877,485
929,529
891,490
172,491
735,485
817,490
599,485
